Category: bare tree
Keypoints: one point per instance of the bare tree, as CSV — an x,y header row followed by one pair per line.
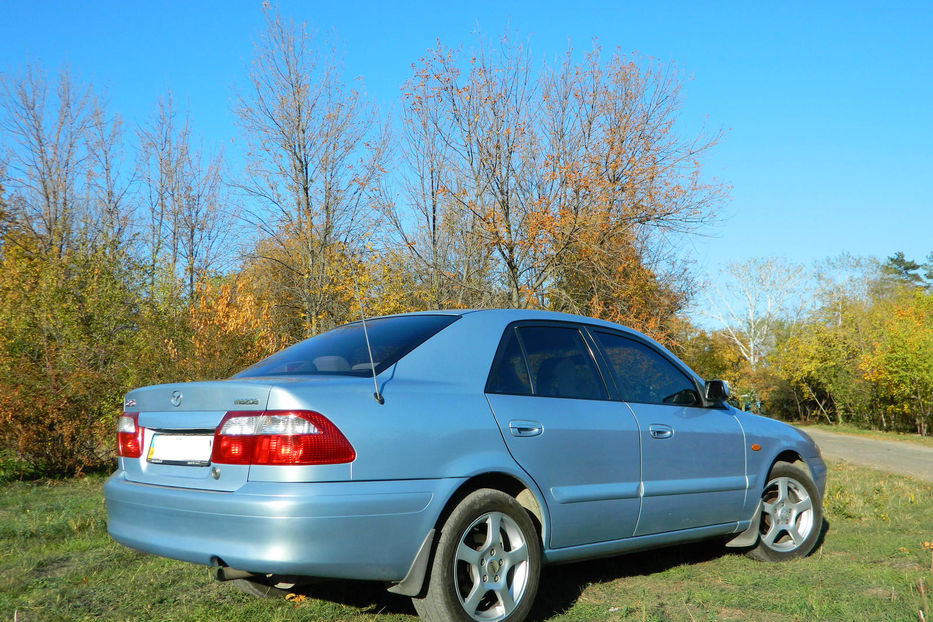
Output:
x,y
188,216
65,172
557,167
445,244
46,154
109,184
4,210
752,298
204,217
488,122
316,155
159,158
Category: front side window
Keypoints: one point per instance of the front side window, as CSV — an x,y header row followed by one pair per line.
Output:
x,y
643,375
559,363
343,352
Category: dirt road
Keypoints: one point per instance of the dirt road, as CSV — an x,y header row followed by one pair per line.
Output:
x,y
891,456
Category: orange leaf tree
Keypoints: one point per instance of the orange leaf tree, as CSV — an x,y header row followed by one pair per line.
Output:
x,y
571,175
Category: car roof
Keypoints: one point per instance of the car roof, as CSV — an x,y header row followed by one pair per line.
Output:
x,y
514,315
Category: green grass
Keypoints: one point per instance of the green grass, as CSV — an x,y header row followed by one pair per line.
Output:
x,y
844,428
57,563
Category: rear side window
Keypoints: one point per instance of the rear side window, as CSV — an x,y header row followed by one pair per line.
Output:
x,y
643,375
510,372
556,363
343,352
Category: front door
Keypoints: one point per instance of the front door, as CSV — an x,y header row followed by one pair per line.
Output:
x,y
693,457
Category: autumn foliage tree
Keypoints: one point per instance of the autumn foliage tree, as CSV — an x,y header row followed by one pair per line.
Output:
x,y
316,155
66,278
508,183
443,245
860,354
230,330
570,175
79,322
900,362
63,353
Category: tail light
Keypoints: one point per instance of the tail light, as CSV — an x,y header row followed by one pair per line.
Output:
x,y
129,436
280,437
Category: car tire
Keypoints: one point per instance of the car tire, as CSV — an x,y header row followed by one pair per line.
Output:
x,y
487,562
791,515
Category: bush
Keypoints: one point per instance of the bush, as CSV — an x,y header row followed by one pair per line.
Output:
x,y
67,325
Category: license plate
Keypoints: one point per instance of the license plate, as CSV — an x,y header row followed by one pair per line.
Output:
x,y
183,449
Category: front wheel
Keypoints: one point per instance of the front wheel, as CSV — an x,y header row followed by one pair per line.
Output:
x,y
487,562
791,515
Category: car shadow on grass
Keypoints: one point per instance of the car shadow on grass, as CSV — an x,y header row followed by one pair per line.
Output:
x,y
367,596
560,587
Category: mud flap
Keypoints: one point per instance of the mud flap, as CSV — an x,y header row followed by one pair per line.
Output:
x,y
413,582
749,537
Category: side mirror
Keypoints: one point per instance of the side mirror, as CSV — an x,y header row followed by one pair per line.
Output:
x,y
716,391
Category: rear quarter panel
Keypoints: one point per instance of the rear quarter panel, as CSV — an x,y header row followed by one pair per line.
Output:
x,y
435,422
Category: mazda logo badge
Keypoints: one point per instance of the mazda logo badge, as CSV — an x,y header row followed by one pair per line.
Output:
x,y
176,398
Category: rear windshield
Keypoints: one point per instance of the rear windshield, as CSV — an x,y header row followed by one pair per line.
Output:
x,y
342,351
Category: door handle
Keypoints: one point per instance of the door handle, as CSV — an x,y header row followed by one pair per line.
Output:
x,y
525,428
656,430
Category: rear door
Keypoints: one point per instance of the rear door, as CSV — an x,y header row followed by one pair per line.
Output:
x,y
693,457
552,406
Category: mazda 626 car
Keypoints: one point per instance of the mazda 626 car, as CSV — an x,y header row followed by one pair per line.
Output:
x,y
451,455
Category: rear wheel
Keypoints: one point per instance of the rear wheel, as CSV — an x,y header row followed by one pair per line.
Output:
x,y
487,562
791,515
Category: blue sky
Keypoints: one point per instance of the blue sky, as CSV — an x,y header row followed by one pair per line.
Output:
x,y
828,107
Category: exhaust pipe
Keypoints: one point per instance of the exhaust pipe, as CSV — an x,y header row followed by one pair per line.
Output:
x,y
223,572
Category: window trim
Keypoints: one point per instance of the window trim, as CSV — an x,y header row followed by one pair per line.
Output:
x,y
594,332
507,334
521,348
609,392
380,367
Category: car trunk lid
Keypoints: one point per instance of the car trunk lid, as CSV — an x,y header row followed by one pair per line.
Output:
x,y
179,421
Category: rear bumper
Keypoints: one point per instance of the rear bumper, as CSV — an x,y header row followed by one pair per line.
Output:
x,y
354,530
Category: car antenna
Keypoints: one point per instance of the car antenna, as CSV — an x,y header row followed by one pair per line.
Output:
x,y
372,365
